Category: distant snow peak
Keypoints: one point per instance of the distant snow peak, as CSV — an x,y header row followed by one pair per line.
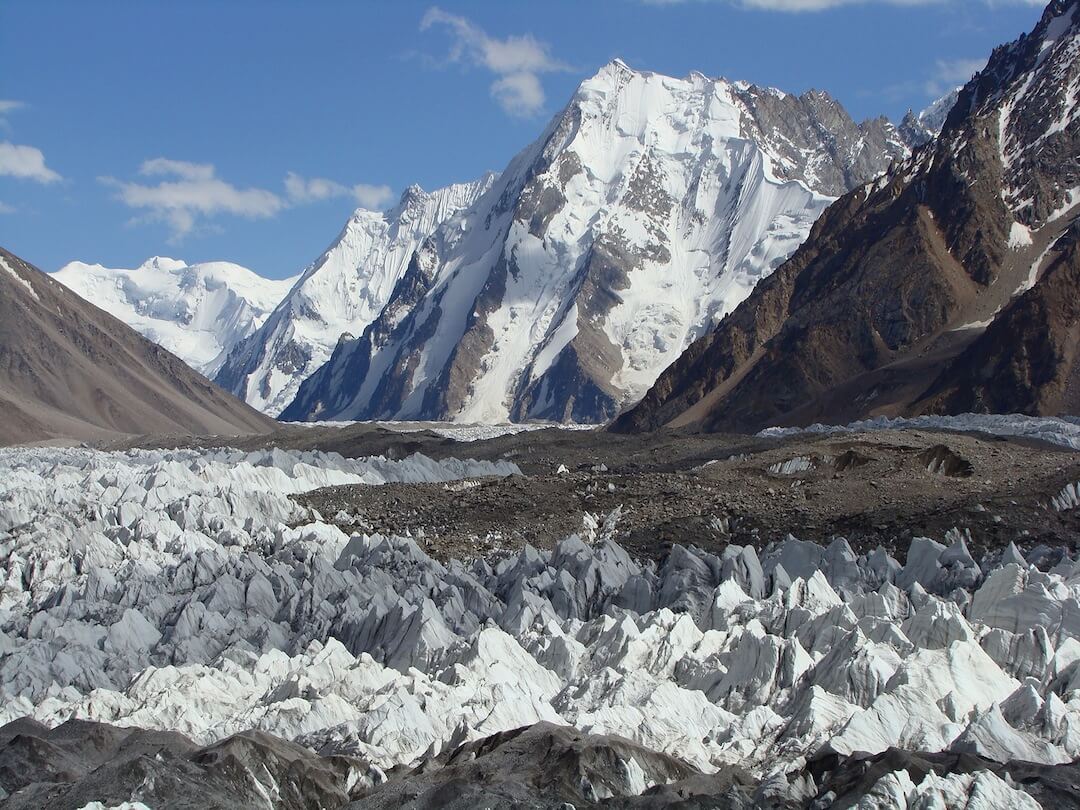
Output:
x,y
921,128
198,312
342,292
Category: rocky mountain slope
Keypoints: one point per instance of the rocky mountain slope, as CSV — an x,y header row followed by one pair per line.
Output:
x,y
648,209
907,290
1028,359
69,370
198,312
338,295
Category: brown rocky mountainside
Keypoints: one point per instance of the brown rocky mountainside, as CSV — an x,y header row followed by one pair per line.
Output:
x,y
1028,359
947,285
70,371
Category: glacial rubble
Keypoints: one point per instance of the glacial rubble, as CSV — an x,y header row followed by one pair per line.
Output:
x,y
184,591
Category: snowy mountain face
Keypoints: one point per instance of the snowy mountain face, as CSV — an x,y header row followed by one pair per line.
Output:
x,y
198,312
339,295
645,212
947,285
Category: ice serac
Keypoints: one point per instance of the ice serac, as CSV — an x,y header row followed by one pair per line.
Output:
x,y
186,591
338,295
198,312
69,370
947,285
647,210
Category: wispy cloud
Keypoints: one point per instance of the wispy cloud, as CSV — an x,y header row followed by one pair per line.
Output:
x,y
189,196
192,194
938,80
8,106
25,163
516,61
314,189
823,5
6,209
951,73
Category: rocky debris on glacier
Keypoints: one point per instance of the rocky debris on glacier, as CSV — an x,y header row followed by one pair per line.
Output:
x,y
542,766
84,764
897,778
875,487
167,590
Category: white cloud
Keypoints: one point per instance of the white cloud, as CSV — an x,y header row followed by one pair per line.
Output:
x,y
313,189
8,106
195,193
180,168
951,73
519,93
6,209
516,61
25,162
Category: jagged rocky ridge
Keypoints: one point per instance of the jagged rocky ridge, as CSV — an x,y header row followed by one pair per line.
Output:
x,y
70,371
941,287
184,591
338,295
648,209
198,312
918,129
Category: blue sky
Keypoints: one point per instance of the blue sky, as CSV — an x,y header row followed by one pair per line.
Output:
x,y
248,131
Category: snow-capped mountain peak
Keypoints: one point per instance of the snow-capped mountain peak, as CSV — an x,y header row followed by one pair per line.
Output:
x,y
340,293
646,210
198,312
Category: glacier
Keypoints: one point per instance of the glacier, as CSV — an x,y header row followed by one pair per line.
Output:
x,y
184,590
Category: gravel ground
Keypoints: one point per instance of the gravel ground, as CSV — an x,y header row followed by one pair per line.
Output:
x,y
880,488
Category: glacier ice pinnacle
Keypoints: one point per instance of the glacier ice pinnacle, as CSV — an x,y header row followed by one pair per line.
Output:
x,y
184,590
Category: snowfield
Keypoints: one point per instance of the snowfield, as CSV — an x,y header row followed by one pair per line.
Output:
x,y
198,312
184,590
